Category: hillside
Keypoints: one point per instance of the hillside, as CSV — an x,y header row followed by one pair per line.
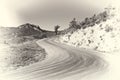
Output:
x,y
18,47
87,22
25,30
101,32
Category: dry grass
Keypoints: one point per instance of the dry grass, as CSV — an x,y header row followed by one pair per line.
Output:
x,y
18,51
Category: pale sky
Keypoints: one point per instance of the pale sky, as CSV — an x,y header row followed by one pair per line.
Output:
x,y
48,13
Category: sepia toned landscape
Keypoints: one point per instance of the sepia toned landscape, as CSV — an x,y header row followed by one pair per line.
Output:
x,y
88,49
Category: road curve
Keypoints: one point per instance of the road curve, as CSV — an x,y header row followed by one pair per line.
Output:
x,y
62,61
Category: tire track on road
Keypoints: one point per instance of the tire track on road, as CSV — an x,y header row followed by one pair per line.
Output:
x,y
62,61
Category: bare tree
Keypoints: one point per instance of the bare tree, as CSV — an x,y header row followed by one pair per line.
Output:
x,y
56,29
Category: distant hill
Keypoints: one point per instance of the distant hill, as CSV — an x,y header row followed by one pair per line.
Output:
x,y
25,30
24,33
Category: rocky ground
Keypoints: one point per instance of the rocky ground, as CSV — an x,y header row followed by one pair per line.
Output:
x,y
103,36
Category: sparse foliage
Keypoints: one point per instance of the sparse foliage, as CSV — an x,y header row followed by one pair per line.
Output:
x,y
56,29
73,23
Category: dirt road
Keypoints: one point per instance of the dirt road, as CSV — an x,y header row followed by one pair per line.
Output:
x,y
62,63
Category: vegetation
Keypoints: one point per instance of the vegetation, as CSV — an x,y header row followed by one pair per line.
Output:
x,y
73,23
87,22
19,46
56,29
23,49
97,33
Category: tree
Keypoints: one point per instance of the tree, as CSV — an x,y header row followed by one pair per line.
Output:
x,y
73,23
94,17
87,21
56,29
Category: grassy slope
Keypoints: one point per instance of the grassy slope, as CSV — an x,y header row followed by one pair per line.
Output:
x,y
18,47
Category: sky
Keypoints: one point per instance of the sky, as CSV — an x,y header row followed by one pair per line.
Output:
x,y
48,13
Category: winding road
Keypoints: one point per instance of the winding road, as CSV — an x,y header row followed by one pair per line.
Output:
x,y
62,62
